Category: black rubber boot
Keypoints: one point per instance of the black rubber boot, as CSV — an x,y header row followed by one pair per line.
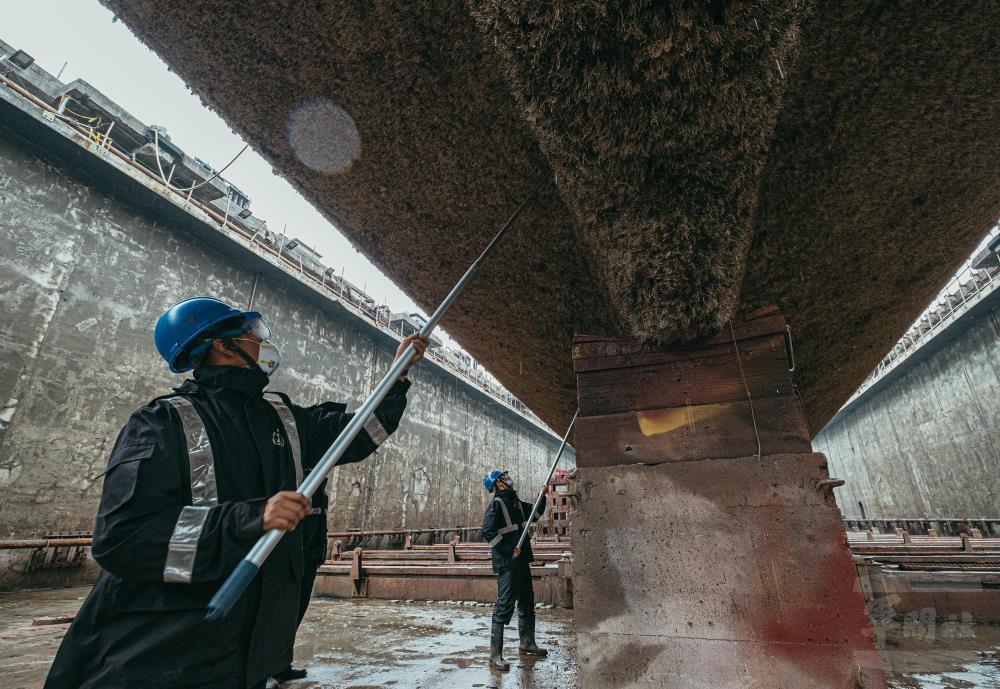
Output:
x,y
290,673
526,630
496,649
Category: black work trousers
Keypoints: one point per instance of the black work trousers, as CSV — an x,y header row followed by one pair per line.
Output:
x,y
314,549
514,586
306,590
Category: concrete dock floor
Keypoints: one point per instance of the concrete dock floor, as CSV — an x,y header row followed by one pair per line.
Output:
x,y
437,645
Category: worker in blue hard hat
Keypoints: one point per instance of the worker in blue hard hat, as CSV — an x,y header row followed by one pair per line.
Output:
x,y
194,479
506,517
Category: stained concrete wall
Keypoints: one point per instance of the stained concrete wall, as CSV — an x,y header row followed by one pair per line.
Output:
x,y
722,573
928,444
83,278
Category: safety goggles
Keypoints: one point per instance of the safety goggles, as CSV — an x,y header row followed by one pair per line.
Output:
x,y
255,328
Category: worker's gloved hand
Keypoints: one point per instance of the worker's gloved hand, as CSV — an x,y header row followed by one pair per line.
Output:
x,y
517,553
545,488
419,344
285,510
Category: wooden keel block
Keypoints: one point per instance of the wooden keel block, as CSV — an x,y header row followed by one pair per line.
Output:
x,y
731,395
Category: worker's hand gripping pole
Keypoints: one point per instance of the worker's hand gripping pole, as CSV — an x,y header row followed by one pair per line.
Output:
x,y
541,494
233,587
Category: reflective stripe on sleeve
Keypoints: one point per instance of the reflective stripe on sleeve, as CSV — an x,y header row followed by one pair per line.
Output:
x,y
376,431
495,540
183,548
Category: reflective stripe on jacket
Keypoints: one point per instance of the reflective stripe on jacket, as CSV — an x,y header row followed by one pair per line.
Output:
x,y
502,532
183,547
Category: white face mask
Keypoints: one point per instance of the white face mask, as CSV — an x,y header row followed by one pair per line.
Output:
x,y
269,358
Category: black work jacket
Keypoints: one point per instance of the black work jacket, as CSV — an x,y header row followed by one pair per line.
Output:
x,y
134,630
493,521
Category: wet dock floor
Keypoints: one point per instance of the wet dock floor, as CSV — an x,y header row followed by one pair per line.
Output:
x,y
427,645
361,644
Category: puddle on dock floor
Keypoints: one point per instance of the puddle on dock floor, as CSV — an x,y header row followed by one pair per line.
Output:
x,y
428,645
361,644
942,655
344,644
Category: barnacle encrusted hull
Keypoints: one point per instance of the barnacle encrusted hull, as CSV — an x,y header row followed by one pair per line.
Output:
x,y
696,159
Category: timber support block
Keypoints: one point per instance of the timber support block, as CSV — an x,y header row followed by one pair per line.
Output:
x,y
358,574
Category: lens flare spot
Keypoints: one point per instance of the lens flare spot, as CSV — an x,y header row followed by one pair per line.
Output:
x,y
323,136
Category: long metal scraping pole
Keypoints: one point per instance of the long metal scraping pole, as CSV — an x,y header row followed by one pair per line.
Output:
x,y
552,470
234,586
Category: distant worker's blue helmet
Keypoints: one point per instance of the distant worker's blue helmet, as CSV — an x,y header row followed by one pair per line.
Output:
x,y
182,324
492,478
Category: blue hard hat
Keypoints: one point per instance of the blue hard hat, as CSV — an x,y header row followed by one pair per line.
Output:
x,y
182,323
492,478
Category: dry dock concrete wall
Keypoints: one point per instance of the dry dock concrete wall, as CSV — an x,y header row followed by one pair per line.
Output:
x,y
927,444
83,277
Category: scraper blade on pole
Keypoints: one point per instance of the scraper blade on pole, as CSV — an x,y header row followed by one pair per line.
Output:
x,y
234,586
552,470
